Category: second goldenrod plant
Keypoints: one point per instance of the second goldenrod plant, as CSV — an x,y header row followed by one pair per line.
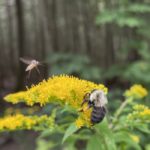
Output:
x,y
140,114
136,91
22,122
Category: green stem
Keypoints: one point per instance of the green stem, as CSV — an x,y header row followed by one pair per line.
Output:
x,y
119,111
122,106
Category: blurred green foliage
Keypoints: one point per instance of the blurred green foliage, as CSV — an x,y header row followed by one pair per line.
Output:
x,y
78,65
131,15
125,13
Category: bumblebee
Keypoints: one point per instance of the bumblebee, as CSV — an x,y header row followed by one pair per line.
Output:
x,y
97,100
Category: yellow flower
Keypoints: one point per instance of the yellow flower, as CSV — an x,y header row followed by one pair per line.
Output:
x,y
146,112
136,91
141,113
139,107
19,121
65,90
85,116
135,138
79,123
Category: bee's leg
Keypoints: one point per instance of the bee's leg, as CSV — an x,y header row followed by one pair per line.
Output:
x,y
85,99
88,107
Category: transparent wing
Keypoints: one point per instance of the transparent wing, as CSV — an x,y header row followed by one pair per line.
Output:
x,y
26,61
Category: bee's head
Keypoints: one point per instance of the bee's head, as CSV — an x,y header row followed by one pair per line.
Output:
x,y
97,98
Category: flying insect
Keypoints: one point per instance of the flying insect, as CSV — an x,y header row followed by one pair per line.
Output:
x,y
32,64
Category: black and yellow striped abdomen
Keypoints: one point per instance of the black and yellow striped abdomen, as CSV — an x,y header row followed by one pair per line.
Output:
x,y
98,114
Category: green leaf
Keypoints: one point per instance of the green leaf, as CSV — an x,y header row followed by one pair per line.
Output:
x,y
45,133
45,145
129,21
124,137
70,145
105,17
144,128
139,8
71,129
95,143
105,133
147,147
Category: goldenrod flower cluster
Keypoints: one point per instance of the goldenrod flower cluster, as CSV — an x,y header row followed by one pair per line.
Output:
x,y
84,118
136,91
21,122
141,114
65,90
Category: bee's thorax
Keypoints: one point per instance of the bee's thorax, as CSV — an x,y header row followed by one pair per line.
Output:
x,y
98,98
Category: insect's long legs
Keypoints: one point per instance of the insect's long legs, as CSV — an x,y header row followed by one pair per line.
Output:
x,y
37,69
28,76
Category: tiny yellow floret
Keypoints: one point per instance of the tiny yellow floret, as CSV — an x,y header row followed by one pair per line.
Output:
x,y
79,123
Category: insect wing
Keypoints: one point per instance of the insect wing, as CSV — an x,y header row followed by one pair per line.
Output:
x,y
28,62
